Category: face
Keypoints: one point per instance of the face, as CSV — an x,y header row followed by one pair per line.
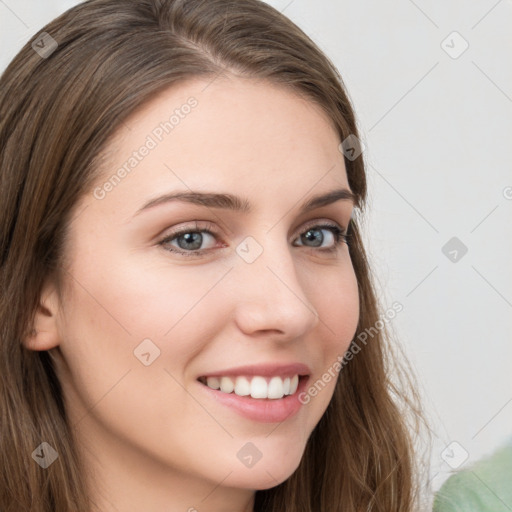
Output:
x,y
233,284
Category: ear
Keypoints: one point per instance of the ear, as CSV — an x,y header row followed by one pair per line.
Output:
x,y
45,334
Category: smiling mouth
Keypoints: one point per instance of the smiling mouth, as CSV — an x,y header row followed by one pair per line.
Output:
x,y
256,386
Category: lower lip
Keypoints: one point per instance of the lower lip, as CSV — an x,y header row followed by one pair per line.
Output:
x,y
264,410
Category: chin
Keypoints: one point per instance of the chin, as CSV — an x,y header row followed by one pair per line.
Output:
x,y
266,474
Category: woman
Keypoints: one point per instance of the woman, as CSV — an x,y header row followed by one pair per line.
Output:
x,y
183,278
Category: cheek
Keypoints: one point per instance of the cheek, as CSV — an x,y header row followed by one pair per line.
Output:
x,y
142,299
121,316
336,298
108,317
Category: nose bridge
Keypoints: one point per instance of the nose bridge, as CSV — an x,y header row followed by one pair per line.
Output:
x,y
271,296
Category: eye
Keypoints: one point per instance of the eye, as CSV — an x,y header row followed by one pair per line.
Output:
x,y
190,240
325,236
198,239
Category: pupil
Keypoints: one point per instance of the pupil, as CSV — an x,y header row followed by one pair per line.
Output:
x,y
317,238
189,239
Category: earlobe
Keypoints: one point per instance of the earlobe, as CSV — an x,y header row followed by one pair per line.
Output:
x,y
44,334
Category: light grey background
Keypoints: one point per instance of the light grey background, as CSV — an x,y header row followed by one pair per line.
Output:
x,y
438,137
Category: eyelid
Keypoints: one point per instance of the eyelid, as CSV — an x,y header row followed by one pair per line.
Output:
x,y
198,225
321,223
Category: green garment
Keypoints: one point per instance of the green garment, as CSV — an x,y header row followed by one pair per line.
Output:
x,y
484,487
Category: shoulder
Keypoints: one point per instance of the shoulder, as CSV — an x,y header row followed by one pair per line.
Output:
x,y
484,487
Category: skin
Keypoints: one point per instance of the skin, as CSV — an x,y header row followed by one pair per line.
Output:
x,y
151,439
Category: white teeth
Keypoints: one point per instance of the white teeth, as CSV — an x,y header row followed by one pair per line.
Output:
x,y
226,385
256,387
286,386
242,386
259,387
275,388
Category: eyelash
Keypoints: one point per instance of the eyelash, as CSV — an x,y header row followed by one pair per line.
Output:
x,y
340,237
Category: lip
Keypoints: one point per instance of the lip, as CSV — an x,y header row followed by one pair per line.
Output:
x,y
263,370
263,410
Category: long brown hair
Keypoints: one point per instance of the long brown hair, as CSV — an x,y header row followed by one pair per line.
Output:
x,y
58,108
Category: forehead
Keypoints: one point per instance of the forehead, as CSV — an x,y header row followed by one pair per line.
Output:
x,y
227,134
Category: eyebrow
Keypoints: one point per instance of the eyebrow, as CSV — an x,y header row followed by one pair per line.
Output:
x,y
242,205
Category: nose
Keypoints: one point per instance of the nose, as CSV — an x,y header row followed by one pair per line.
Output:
x,y
270,297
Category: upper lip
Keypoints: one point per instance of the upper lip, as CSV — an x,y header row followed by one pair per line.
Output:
x,y
263,370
